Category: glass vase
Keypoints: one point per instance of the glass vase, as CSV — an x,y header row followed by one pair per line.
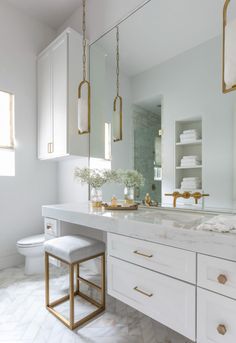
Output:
x,y
96,197
129,195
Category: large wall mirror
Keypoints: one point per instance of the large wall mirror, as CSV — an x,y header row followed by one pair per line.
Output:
x,y
178,127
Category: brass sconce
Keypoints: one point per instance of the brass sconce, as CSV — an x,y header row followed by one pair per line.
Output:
x,y
118,102
229,51
84,100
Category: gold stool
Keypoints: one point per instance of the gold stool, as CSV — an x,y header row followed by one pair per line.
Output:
x,y
74,250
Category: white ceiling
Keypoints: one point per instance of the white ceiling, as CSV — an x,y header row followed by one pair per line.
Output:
x,y
163,29
52,12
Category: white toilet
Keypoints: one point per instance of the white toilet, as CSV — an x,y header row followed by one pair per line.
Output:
x,y
33,249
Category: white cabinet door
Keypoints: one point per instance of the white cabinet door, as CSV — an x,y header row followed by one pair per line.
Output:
x,y
169,301
216,318
44,106
59,57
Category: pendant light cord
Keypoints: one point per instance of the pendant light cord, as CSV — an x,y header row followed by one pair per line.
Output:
x,y
117,61
84,40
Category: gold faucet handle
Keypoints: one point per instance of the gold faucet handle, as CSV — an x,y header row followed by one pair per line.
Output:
x,y
174,194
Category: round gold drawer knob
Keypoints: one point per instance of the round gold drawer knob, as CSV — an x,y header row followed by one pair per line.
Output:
x,y
222,279
221,329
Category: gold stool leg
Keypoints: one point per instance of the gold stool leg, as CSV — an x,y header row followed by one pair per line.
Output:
x,y
103,280
72,313
46,279
77,277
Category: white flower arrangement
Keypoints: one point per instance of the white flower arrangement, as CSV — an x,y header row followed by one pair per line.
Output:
x,y
97,178
94,177
130,178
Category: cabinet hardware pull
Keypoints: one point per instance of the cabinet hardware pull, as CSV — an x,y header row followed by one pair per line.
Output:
x,y
141,254
222,279
221,329
142,292
49,227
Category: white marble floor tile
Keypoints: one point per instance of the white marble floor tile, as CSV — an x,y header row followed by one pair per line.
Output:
x,y
24,319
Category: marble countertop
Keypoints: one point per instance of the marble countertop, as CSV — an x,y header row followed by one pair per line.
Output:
x,y
171,227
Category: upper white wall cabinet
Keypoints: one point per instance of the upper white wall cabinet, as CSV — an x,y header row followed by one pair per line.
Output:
x,y
59,74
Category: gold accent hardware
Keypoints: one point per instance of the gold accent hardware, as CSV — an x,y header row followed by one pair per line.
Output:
x,y
147,200
222,279
71,324
85,81
118,97
50,148
142,292
141,254
224,88
186,195
82,83
221,329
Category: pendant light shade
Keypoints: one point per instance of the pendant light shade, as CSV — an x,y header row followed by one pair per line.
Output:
x,y
84,95
118,102
84,91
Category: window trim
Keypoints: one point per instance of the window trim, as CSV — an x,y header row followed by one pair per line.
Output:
x,y
12,115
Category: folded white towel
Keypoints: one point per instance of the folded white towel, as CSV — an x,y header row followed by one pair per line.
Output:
x,y
190,164
222,223
190,183
190,160
190,157
187,140
191,178
190,131
189,135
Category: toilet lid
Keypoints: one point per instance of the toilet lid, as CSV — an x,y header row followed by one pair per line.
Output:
x,y
32,241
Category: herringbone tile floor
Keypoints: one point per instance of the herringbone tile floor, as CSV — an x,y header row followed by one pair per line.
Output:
x,y
24,319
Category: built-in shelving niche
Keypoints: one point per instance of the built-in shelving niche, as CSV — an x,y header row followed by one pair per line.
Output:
x,y
187,149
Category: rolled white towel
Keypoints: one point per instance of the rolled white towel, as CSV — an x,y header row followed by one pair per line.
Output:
x,y
221,223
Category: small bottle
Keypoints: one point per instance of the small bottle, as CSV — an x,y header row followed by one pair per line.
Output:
x,y
114,201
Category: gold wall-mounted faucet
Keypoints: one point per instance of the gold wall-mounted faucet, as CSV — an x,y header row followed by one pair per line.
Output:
x,y
186,195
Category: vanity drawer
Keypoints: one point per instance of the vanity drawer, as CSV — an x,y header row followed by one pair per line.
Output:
x,y
217,275
216,318
50,227
167,260
169,301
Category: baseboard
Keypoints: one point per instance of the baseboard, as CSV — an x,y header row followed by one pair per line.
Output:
x,y
11,261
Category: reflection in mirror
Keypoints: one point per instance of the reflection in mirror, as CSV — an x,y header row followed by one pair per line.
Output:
x,y
178,127
146,119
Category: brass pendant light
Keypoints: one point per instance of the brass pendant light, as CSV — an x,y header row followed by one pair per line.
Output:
x,y
84,90
117,112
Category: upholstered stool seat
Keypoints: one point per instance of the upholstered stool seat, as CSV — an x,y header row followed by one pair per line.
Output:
x,y
73,250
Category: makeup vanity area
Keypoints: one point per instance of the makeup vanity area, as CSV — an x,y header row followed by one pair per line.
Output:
x,y
179,133
158,263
